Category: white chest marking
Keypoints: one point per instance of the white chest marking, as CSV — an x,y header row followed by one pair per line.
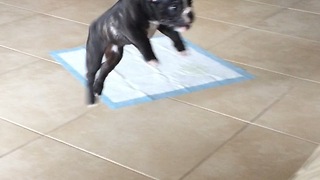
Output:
x,y
113,30
114,48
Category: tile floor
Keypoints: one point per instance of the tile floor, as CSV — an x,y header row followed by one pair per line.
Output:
x,y
265,128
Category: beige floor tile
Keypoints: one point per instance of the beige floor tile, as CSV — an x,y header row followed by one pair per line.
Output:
x,y
244,99
271,51
12,137
235,11
40,35
11,60
298,113
308,5
311,169
39,5
294,23
41,96
255,154
285,3
10,14
76,11
206,33
47,159
163,139
315,75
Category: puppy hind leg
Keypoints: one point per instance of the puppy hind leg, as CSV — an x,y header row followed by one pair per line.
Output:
x,y
93,63
113,55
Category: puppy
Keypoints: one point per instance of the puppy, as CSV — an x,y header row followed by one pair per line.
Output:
x,y
132,22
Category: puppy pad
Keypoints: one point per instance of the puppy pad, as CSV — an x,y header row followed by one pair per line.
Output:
x,y
133,81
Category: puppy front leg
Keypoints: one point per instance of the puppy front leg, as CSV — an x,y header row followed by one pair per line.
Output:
x,y
174,36
142,43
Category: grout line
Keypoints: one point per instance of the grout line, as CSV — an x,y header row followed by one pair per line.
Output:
x,y
305,11
285,7
247,125
257,2
221,21
243,26
66,19
28,54
233,61
22,126
264,111
78,148
246,121
239,119
88,110
212,153
101,157
275,72
242,129
257,29
23,145
286,134
216,20
43,13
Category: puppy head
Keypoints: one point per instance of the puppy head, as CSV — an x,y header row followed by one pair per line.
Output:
x,y
177,14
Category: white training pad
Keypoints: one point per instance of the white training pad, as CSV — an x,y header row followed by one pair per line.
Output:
x,y
134,81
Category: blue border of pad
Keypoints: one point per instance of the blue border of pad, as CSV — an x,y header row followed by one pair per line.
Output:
x,y
113,105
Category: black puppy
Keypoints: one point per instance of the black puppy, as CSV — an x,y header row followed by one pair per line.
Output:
x,y
132,22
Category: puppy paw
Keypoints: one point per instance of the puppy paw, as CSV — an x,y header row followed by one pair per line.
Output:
x,y
181,29
92,105
93,101
97,88
153,63
184,53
